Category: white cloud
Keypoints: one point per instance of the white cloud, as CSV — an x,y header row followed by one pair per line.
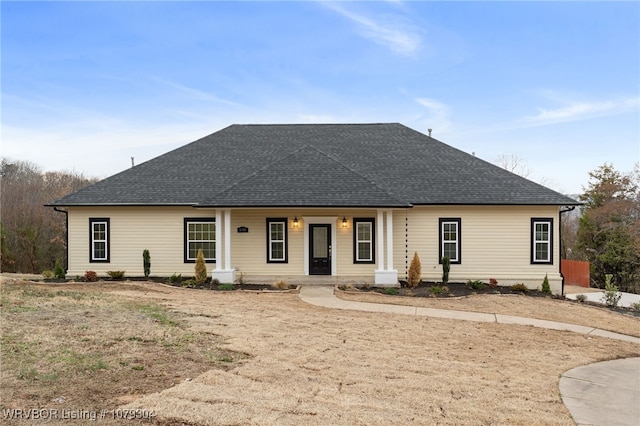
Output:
x,y
438,114
195,94
394,33
575,111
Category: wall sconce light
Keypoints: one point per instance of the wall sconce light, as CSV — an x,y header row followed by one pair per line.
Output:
x,y
295,222
344,222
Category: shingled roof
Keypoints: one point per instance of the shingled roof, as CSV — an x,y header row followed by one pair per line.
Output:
x,y
315,165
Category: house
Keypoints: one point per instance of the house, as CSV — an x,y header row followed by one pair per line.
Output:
x,y
347,201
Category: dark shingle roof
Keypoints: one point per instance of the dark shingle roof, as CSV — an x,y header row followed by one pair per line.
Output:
x,y
339,165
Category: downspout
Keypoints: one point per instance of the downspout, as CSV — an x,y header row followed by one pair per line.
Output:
x,y
568,209
66,236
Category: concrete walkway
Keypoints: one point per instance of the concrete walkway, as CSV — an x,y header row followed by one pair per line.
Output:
x,y
323,296
604,393
626,299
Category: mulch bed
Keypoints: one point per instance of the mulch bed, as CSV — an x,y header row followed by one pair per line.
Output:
x,y
453,289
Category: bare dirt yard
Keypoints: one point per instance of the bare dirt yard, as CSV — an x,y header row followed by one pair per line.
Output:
x,y
196,357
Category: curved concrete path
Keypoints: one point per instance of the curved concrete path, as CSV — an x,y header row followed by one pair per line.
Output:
x,y
604,393
324,296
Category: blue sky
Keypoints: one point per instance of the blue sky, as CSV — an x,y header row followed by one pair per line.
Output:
x,y
87,85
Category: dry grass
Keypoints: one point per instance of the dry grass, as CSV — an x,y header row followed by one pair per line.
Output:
x,y
518,305
310,365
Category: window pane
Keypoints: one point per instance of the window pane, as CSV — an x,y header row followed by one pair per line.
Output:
x,y
542,251
450,250
364,251
99,250
364,231
277,251
277,231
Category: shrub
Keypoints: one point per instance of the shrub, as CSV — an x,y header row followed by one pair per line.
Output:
x,y
116,275
611,295
446,267
545,285
493,283
90,276
146,262
175,278
435,290
415,271
58,271
392,291
47,274
201,268
226,287
280,285
520,287
476,284
189,283
581,298
635,306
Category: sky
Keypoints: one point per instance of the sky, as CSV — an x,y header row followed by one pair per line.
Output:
x,y
85,85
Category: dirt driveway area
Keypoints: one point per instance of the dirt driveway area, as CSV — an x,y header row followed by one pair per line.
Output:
x,y
255,358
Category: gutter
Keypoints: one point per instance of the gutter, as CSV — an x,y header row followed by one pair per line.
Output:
x,y
66,236
568,209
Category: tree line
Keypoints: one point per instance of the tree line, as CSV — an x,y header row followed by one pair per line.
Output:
x,y
32,236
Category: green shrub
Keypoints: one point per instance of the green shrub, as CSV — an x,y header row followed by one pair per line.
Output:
x,y
47,274
581,298
635,306
58,271
611,295
435,290
146,262
446,267
392,291
545,285
226,287
520,287
175,278
201,268
116,275
90,276
415,271
476,284
188,283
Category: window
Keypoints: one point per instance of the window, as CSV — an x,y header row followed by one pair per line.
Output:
x,y
277,240
99,240
450,239
542,240
199,233
363,240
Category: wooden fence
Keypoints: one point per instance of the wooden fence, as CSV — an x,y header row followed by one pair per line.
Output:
x,y
575,272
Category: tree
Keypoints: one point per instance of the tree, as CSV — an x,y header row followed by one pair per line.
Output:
x,y
200,268
514,164
32,235
415,271
609,229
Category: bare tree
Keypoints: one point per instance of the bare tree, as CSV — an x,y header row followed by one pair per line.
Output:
x,y
32,235
514,164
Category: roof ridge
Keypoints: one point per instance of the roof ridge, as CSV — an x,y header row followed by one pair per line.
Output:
x,y
362,176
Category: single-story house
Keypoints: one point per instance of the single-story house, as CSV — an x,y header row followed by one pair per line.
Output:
x,y
339,201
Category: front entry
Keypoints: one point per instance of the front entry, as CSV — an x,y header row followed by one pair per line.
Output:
x,y
320,249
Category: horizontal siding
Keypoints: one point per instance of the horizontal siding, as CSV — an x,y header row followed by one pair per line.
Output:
x,y
495,243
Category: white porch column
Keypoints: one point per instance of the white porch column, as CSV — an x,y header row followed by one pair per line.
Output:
x,y
223,228
386,277
389,215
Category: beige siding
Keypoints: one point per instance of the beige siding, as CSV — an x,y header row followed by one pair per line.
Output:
x,y
495,243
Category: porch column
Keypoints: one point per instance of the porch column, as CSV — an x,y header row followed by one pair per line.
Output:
x,y
386,277
223,229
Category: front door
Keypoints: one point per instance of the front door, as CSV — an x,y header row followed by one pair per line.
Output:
x,y
320,250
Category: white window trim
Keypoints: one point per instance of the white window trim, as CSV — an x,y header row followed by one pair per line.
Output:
x,y
458,223
187,223
283,241
364,221
548,242
95,222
